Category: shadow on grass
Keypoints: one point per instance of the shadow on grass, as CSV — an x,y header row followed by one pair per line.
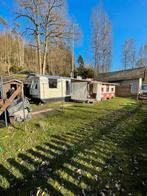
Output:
x,y
83,162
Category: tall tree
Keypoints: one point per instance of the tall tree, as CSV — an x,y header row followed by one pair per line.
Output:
x,y
142,58
81,68
101,40
129,54
46,23
81,61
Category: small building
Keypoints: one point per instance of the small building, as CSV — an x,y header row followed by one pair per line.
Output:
x,y
13,105
128,81
90,91
50,88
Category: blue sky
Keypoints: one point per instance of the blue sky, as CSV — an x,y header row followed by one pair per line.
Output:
x,y
128,17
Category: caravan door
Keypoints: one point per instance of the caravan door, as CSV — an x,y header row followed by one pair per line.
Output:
x,y
68,88
34,88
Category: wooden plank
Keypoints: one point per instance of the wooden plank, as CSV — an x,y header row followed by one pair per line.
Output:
x,y
9,101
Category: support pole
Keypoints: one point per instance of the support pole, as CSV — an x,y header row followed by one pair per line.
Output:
x,y
62,95
73,51
23,101
5,112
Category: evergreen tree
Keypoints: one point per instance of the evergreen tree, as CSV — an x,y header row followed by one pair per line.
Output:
x,y
81,61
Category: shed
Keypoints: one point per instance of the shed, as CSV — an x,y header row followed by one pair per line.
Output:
x,y
13,104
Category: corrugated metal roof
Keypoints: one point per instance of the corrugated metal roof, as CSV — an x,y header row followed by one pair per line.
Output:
x,y
123,75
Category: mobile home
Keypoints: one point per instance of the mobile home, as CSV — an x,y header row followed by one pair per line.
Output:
x,y
50,88
91,91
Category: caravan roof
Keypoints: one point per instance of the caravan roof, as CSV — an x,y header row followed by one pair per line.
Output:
x,y
93,81
48,76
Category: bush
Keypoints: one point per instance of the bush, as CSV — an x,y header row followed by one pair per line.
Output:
x,y
85,72
16,69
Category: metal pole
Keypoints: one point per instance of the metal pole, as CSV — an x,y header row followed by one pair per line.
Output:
x,y
23,100
62,95
5,112
73,52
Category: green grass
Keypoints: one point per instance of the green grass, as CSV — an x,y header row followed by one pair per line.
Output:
x,y
85,150
55,105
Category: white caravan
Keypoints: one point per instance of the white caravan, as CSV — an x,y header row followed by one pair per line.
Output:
x,y
50,88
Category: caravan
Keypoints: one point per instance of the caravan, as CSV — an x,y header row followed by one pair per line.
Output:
x,y
50,88
91,90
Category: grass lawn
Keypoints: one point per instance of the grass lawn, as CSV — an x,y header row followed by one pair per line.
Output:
x,y
98,149
55,105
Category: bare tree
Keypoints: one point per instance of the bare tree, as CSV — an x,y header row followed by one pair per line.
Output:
x,y
47,46
101,40
59,60
142,57
19,46
129,54
47,24
3,21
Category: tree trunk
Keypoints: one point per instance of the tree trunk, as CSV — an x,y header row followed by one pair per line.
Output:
x,y
39,52
45,50
38,40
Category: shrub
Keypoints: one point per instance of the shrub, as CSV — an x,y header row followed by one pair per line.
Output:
x,y
16,69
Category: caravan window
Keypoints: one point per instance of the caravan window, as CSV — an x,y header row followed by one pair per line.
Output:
x,y
144,87
32,84
67,86
107,89
52,83
36,86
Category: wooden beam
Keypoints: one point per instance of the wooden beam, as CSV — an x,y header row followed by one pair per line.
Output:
x,y
9,101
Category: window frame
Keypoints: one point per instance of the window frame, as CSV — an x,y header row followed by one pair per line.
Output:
x,y
107,89
144,87
54,85
112,89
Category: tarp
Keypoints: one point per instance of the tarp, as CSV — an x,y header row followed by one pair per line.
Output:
x,y
79,91
17,111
